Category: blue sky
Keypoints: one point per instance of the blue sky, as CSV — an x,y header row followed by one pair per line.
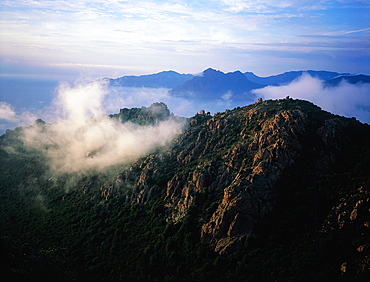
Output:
x,y
114,38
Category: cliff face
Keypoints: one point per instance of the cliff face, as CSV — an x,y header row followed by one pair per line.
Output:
x,y
256,165
233,161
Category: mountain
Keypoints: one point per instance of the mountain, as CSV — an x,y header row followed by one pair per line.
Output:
x,y
274,191
165,79
213,84
352,79
288,77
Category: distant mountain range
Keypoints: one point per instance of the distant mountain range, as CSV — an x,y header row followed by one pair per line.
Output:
x,y
165,79
288,77
353,79
214,83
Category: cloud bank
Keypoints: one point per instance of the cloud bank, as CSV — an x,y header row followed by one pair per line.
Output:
x,y
346,99
84,138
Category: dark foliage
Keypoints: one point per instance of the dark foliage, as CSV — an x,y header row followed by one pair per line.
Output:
x,y
50,233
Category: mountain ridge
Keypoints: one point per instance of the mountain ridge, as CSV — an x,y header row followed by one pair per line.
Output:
x,y
242,195
165,79
352,79
288,77
171,79
214,83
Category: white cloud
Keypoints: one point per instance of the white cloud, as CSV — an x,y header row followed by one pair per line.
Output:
x,y
83,138
118,33
345,99
7,113
226,100
9,118
268,6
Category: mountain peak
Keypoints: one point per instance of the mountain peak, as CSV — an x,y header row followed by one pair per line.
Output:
x,y
211,71
214,83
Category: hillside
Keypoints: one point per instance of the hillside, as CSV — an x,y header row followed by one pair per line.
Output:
x,y
275,191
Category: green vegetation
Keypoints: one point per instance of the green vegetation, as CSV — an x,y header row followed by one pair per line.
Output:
x,y
49,232
144,116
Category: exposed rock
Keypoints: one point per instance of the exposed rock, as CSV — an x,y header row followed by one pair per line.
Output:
x,y
332,133
353,207
251,194
351,218
236,158
228,245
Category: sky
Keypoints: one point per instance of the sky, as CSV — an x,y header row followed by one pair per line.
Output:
x,y
110,38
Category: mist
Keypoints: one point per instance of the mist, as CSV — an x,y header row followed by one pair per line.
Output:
x,y
79,136
82,137
9,118
130,97
349,100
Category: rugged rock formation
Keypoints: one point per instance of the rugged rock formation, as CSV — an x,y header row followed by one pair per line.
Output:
x,y
235,159
274,191
257,165
349,218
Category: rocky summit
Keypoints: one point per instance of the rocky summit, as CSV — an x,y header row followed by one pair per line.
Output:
x,y
273,191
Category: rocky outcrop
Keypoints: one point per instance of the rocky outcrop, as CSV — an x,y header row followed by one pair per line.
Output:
x,y
257,166
332,133
234,159
351,208
351,219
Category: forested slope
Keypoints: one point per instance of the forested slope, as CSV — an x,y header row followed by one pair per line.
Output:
x,y
274,191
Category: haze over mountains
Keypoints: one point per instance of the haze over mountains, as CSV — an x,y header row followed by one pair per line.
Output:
x,y
212,83
288,77
166,79
340,93
211,90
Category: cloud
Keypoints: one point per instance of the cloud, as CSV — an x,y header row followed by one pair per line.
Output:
x,y
268,6
88,36
7,113
84,138
345,99
226,99
10,119
131,97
